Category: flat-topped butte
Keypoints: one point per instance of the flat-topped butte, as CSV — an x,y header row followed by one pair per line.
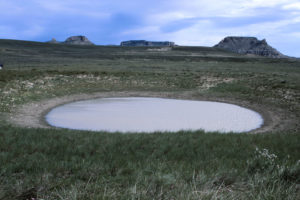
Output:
x,y
135,43
249,45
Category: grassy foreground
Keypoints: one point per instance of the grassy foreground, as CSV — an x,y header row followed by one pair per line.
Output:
x,y
83,165
68,164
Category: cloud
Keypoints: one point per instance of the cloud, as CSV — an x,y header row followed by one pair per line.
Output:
x,y
82,8
292,6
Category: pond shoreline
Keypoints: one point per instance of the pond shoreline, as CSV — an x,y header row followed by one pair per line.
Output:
x,y
32,115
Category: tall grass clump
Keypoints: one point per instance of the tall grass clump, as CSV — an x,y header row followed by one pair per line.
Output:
x,y
271,178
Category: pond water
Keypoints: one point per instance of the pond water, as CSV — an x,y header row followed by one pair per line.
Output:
x,y
141,114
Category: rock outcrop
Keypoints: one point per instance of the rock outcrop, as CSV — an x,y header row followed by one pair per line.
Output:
x,y
136,43
78,40
53,41
249,45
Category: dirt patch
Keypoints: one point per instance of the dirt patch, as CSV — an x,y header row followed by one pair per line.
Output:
x,y
31,115
210,81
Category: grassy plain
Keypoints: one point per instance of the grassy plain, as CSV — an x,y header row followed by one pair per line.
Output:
x,y
67,164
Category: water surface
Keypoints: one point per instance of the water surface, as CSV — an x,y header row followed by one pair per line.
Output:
x,y
139,114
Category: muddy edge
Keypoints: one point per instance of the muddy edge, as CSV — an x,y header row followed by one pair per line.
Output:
x,y
32,115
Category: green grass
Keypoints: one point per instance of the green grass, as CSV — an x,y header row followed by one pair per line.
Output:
x,y
67,164
147,166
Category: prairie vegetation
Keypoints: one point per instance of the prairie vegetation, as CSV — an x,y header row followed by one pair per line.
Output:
x,y
67,164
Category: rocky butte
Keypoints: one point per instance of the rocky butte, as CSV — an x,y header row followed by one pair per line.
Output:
x,y
79,40
249,45
53,41
144,43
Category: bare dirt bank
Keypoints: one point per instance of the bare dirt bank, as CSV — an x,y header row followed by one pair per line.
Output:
x,y
31,115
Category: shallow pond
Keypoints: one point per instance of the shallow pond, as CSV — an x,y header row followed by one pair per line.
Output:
x,y
141,114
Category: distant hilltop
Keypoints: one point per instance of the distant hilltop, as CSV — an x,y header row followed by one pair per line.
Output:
x,y
53,41
236,44
140,43
249,45
77,40
81,40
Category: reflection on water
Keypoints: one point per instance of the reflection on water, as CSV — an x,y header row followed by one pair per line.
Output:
x,y
138,114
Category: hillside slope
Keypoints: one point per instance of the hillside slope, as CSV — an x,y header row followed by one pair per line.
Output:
x,y
16,53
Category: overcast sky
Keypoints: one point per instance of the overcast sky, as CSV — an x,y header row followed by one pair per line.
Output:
x,y
190,22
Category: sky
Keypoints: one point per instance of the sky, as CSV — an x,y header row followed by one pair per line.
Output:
x,y
190,22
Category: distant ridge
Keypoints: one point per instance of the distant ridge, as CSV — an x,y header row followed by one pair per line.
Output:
x,y
135,43
249,45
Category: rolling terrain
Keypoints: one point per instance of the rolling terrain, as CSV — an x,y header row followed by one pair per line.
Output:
x,y
41,162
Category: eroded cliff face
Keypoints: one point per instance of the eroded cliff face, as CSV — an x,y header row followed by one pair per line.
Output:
x,y
249,45
79,40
